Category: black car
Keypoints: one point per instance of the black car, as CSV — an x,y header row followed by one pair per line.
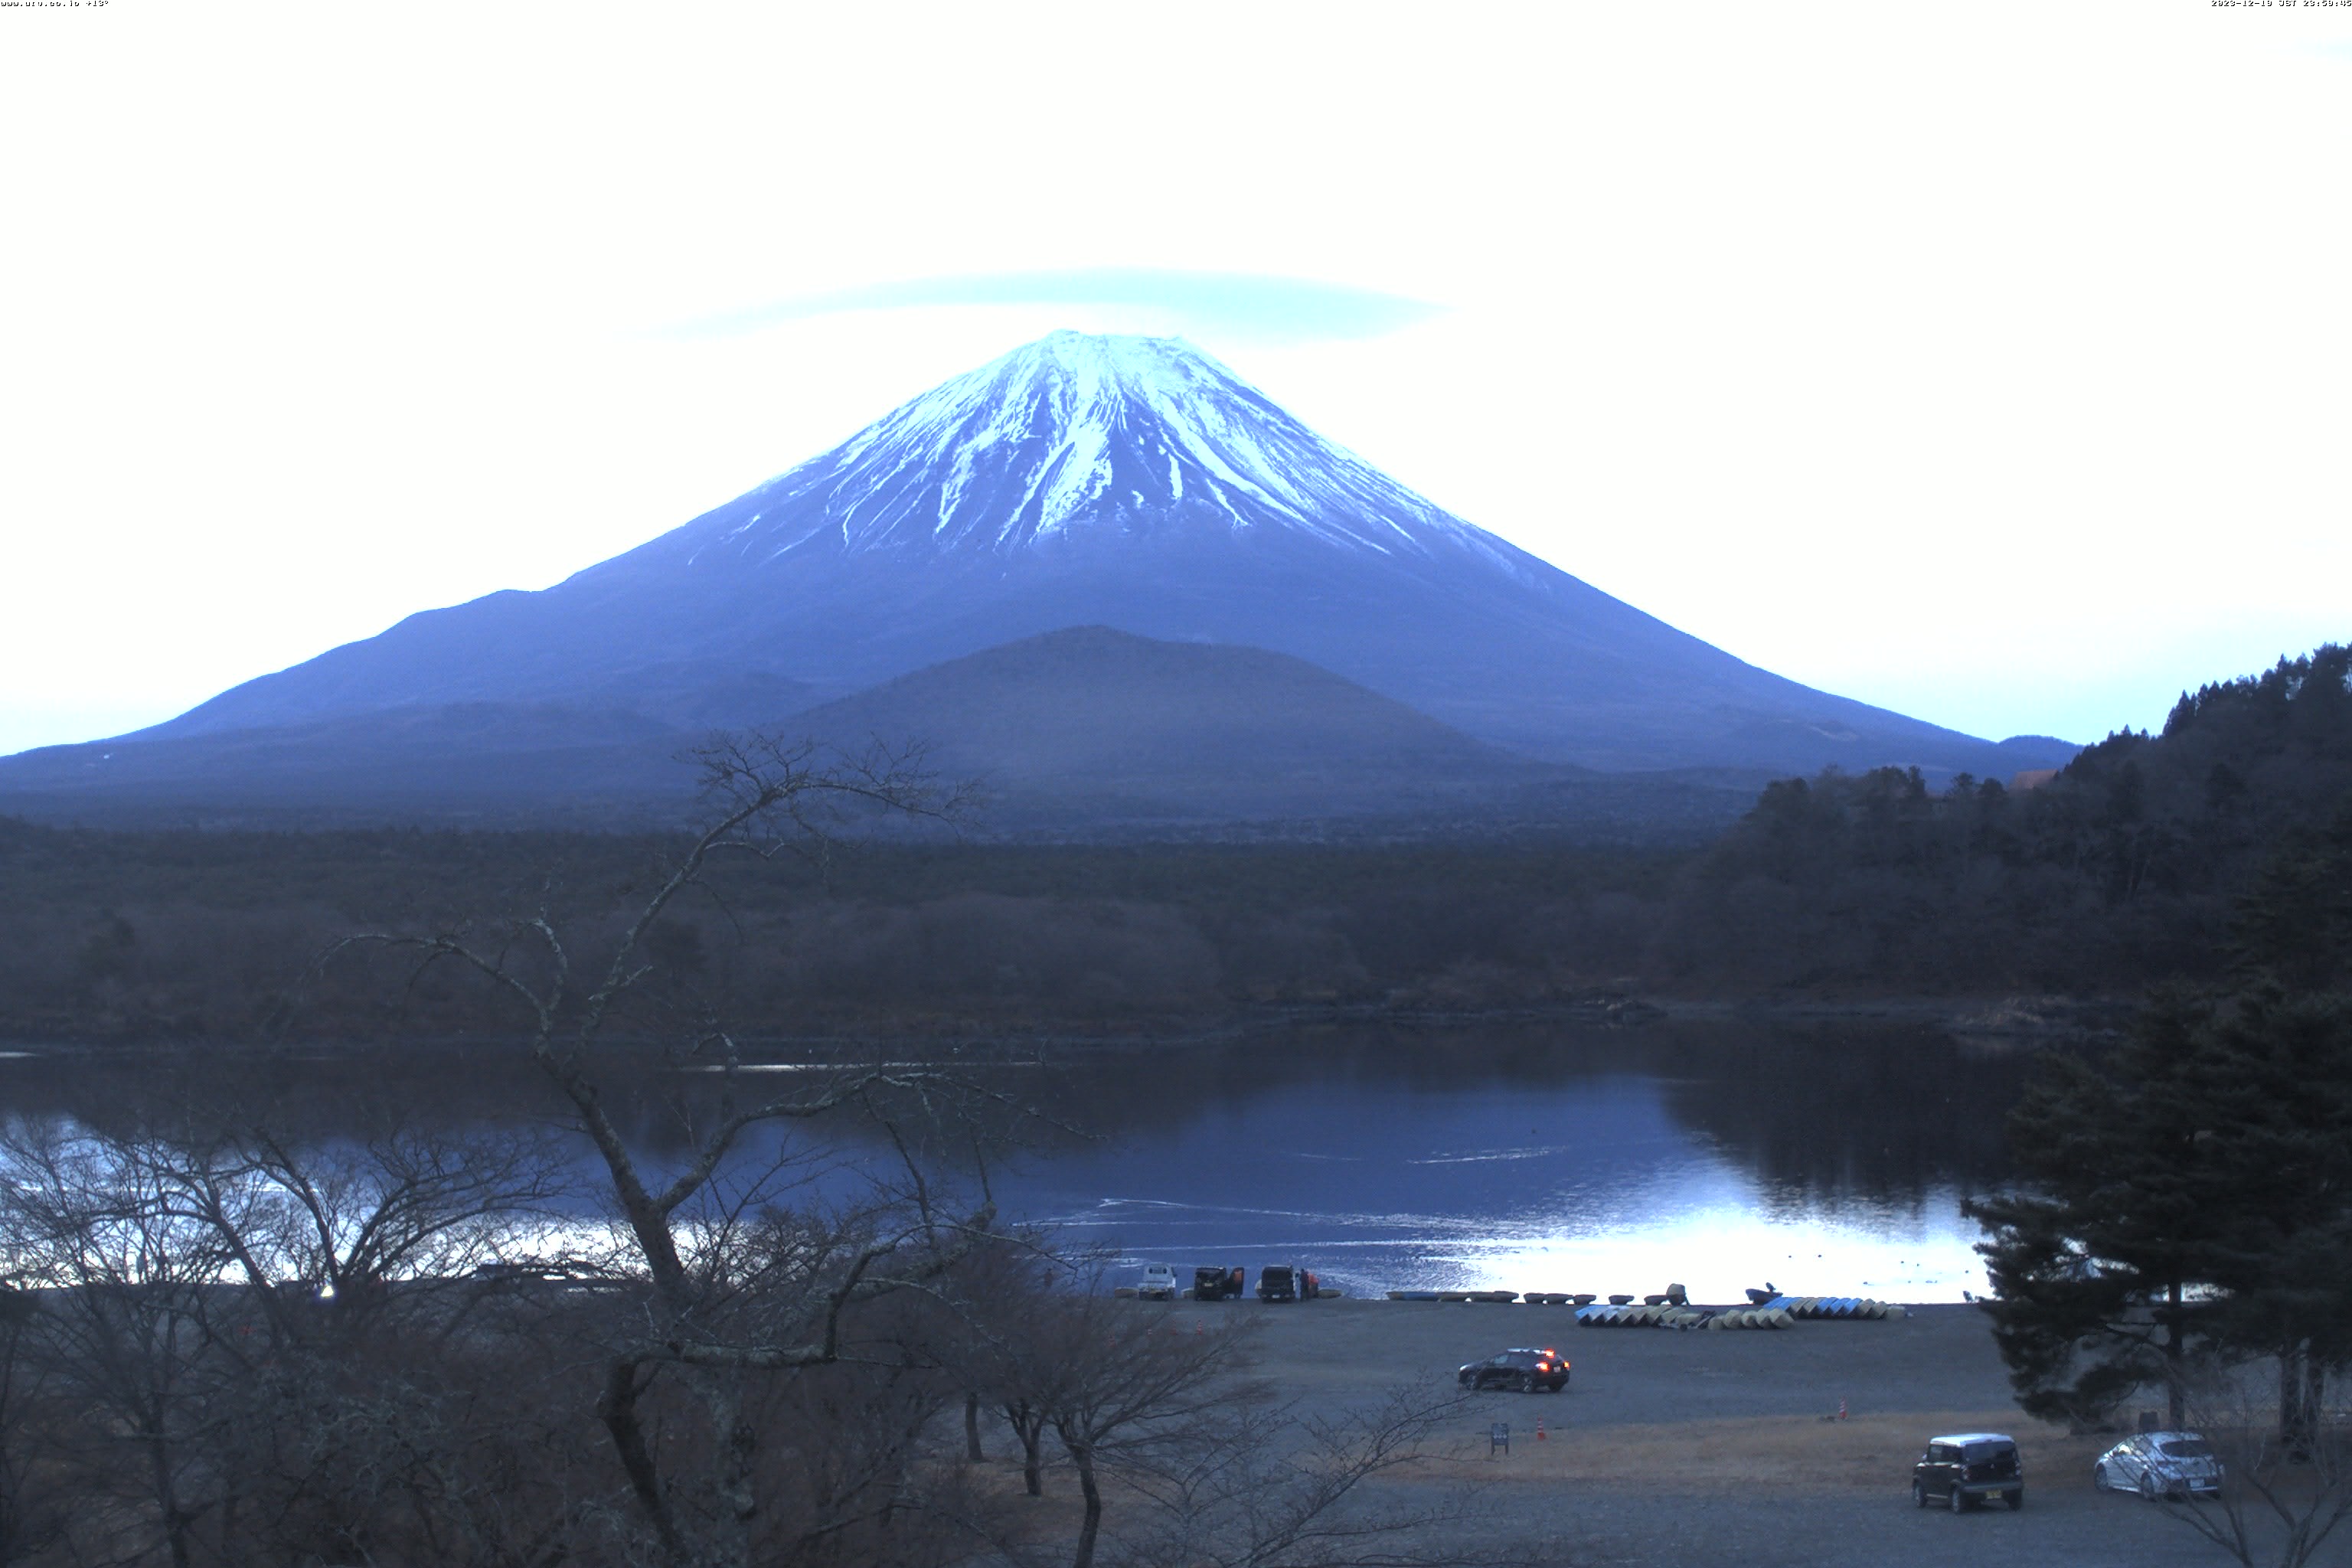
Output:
x,y
1286,1282
1525,1370
1968,1468
1213,1284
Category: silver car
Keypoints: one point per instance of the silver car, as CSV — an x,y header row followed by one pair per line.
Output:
x,y
2159,1465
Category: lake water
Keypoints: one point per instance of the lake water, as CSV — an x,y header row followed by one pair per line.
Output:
x,y
1824,1161
1718,1156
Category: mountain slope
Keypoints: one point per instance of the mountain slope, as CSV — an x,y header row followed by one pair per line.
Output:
x,y
1125,482
506,761
1086,727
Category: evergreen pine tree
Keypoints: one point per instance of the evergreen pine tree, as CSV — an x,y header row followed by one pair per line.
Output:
x,y
2124,1209
2190,1196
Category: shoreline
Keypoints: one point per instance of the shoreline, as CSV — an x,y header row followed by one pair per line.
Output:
x,y
1999,1020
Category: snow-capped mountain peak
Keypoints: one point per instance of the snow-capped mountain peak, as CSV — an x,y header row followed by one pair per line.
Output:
x,y
1128,483
1069,434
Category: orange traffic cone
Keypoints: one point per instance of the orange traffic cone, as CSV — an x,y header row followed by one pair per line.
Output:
x,y
1539,1431
1840,1409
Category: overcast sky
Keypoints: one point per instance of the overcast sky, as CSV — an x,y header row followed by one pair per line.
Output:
x,y
1993,363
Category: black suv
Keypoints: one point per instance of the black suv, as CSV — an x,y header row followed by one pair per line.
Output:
x,y
1525,1370
1286,1282
1968,1468
1210,1284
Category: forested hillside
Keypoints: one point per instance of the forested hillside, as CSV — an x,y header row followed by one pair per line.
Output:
x,y
2123,868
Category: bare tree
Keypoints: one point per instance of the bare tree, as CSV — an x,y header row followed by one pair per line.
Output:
x,y
1157,1411
1125,1385
33,1506
1273,1488
263,1324
130,1320
322,1231
739,1287
1005,1351
2287,1483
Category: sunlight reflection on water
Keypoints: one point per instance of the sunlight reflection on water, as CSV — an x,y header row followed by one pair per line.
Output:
x,y
1716,1250
1718,1156
1582,1181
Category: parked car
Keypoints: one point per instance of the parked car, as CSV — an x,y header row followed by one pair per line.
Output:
x,y
1286,1282
1964,1468
2159,1465
1213,1284
1158,1284
1525,1370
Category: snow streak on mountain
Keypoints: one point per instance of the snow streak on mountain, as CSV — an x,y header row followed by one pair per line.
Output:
x,y
1115,432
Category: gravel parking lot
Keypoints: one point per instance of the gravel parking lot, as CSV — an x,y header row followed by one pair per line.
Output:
x,y
1714,1446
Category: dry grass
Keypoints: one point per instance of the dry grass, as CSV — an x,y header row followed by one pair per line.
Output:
x,y
1865,1454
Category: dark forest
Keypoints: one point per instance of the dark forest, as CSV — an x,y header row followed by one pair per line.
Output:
x,y
2124,869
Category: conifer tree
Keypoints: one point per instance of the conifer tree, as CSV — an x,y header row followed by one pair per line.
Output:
x,y
2123,1212
2191,1194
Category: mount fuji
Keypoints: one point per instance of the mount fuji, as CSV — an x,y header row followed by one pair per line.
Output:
x,y
1127,483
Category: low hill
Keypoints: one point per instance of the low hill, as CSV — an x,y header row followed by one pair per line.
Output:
x,y
1093,720
1085,732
